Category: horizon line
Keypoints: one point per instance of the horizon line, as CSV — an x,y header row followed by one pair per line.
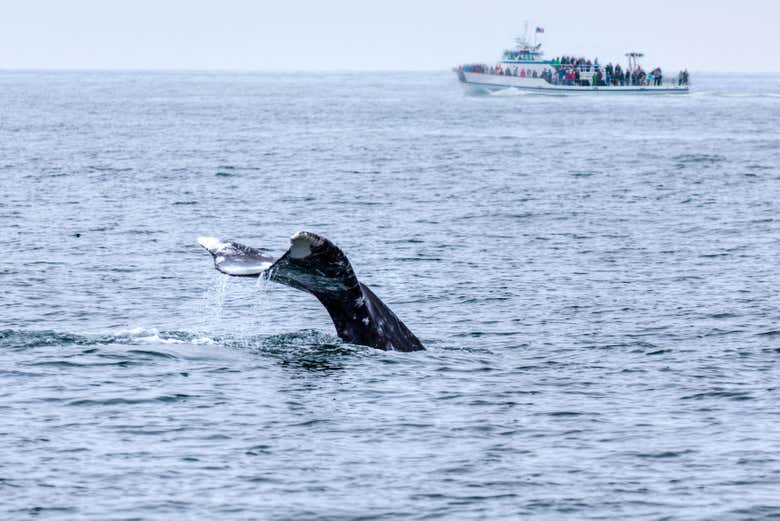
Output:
x,y
288,71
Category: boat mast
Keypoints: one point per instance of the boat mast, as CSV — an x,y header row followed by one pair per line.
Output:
x,y
632,60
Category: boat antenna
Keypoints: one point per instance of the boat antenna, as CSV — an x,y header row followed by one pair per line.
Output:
x,y
632,60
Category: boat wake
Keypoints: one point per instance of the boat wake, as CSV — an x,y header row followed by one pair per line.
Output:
x,y
511,92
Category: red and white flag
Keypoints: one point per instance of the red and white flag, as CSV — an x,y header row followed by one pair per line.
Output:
x,y
540,30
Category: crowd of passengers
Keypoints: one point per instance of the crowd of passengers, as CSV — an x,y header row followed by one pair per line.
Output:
x,y
567,70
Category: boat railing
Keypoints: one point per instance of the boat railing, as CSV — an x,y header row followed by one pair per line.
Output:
x,y
553,78
582,67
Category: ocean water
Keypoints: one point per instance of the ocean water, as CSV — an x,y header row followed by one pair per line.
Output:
x,y
595,280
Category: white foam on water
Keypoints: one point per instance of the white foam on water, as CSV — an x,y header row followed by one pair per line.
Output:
x,y
154,336
511,91
131,332
157,339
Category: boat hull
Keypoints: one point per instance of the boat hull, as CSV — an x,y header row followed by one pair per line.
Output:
x,y
481,83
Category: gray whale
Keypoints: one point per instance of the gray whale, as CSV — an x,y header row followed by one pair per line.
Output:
x,y
315,265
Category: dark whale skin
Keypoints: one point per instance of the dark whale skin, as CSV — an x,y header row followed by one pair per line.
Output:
x,y
315,265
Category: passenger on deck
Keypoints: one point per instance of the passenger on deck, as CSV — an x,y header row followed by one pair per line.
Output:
x,y
659,77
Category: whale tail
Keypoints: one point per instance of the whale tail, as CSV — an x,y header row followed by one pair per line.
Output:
x,y
317,266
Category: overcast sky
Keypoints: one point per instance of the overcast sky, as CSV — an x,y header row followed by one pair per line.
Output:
x,y
704,35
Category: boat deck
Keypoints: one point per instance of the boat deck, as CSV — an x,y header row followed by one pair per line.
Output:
x,y
492,82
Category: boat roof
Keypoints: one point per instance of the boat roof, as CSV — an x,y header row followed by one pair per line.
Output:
x,y
524,48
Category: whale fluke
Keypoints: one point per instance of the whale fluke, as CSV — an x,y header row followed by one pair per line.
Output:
x,y
317,266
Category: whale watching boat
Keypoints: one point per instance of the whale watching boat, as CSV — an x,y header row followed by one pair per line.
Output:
x,y
524,68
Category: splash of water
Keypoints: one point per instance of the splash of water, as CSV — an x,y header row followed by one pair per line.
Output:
x,y
212,304
260,304
216,314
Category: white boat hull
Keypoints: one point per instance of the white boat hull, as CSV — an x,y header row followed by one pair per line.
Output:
x,y
479,82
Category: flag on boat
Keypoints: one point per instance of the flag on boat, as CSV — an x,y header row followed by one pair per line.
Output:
x,y
540,29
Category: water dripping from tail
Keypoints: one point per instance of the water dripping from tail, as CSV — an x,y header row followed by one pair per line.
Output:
x,y
261,304
212,304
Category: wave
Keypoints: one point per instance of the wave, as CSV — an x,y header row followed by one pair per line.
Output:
x,y
308,349
155,336
736,95
27,339
698,159
18,339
